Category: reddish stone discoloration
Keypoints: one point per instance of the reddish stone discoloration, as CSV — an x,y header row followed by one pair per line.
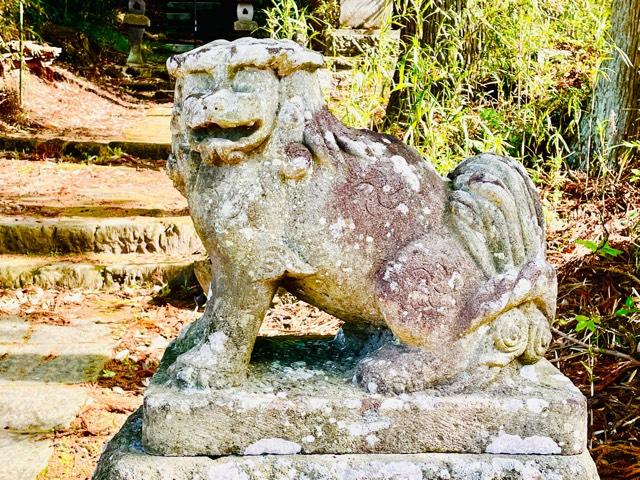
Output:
x,y
377,199
424,289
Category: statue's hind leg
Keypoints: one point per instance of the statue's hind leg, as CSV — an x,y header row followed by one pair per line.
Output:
x,y
521,333
452,325
419,294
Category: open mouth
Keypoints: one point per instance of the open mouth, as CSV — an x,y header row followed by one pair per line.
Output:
x,y
230,133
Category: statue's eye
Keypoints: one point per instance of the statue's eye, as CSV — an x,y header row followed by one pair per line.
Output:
x,y
199,85
245,80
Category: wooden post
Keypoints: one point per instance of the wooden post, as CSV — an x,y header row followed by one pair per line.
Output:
x,y
20,80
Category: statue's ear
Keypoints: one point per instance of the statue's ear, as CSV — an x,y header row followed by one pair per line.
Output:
x,y
298,162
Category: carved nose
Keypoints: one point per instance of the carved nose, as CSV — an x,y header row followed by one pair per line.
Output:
x,y
224,108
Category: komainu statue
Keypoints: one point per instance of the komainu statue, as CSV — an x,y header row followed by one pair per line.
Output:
x,y
282,194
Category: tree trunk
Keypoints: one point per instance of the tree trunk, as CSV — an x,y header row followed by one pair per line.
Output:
x,y
615,112
429,22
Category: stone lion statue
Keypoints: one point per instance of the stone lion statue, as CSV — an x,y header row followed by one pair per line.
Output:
x,y
354,222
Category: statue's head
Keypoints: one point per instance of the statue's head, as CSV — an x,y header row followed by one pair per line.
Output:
x,y
229,95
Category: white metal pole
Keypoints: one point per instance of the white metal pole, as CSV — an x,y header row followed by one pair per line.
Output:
x,y
20,80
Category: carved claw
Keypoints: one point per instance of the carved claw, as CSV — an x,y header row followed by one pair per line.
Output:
x,y
401,369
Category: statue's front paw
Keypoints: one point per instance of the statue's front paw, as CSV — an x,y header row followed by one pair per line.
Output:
x,y
207,365
185,375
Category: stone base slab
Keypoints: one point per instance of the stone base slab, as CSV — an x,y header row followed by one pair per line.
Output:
x,y
301,398
27,406
125,460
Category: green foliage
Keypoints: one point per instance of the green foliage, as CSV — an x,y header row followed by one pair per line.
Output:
x,y
96,18
108,36
629,308
509,77
361,104
286,20
602,249
34,13
81,14
586,323
328,11
108,374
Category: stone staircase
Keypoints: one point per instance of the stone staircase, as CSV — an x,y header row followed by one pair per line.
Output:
x,y
94,231
88,226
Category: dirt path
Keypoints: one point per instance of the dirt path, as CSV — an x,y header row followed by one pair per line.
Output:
x,y
76,109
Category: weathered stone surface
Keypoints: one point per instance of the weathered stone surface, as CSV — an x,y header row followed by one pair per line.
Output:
x,y
66,147
69,369
74,353
42,189
350,42
125,460
302,394
202,270
442,283
93,271
367,14
170,235
35,407
351,221
13,330
23,457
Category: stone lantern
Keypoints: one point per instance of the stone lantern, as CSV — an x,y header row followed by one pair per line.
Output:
x,y
245,22
136,21
360,25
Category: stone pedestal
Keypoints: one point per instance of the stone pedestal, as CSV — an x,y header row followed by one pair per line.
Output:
x,y
360,23
300,412
349,42
125,460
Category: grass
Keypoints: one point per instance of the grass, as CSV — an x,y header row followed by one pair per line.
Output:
x,y
510,77
286,20
522,95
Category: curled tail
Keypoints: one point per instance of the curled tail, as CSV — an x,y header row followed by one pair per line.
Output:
x,y
497,215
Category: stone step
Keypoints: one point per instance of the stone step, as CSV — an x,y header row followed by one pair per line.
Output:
x,y
93,271
63,235
52,344
49,189
71,353
26,407
62,338
63,146
23,457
